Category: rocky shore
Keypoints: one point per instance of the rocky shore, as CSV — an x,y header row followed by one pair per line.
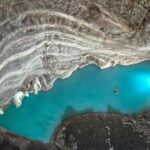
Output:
x,y
90,131
9,141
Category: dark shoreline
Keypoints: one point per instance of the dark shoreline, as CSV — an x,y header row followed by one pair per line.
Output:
x,y
89,131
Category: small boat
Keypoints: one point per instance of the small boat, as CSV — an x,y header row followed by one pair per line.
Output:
x,y
116,91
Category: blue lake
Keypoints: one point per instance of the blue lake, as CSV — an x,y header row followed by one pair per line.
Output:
x,y
88,89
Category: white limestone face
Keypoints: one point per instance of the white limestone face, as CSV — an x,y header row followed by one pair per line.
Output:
x,y
36,89
18,99
1,111
26,94
36,86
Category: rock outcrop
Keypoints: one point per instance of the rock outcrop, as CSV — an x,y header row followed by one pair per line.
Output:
x,y
49,39
100,131
9,141
92,131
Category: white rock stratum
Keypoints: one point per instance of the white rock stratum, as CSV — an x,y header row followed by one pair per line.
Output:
x,y
49,39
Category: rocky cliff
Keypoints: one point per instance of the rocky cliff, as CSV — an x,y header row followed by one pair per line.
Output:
x,y
49,39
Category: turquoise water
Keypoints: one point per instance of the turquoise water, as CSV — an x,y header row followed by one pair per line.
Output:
x,y
88,89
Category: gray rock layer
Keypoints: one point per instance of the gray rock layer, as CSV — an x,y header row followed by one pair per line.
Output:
x,y
50,39
100,131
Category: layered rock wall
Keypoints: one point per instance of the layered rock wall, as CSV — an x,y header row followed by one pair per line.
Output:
x,y
49,39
